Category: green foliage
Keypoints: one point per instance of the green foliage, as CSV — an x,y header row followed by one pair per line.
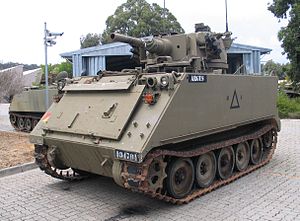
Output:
x,y
280,70
289,35
138,18
288,108
90,40
57,68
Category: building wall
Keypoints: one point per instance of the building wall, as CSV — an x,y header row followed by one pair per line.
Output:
x,y
91,60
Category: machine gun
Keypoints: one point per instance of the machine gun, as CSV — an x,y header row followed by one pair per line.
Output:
x,y
194,52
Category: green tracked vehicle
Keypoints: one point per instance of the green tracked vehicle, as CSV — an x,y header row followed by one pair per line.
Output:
x,y
27,108
175,129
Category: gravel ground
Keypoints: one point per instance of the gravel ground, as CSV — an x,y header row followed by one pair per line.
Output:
x,y
14,149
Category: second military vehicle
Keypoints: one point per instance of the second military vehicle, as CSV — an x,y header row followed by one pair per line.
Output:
x,y
177,129
27,108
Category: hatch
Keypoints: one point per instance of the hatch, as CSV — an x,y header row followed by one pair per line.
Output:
x,y
107,83
97,113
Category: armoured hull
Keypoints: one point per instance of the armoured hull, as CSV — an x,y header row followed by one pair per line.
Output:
x,y
89,140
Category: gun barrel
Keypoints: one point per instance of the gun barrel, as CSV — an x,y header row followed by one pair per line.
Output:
x,y
127,39
159,46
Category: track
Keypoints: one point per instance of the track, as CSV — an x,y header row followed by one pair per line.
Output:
x,y
23,122
138,181
40,154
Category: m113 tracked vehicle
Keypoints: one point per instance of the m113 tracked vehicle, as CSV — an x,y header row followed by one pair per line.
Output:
x,y
176,129
27,108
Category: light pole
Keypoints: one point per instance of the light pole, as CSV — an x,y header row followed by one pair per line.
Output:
x,y
49,38
164,19
226,16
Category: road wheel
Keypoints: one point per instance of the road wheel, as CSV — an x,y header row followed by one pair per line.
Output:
x,y
226,162
206,169
21,123
28,124
256,151
242,156
180,177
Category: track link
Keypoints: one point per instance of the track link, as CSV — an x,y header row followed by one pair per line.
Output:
x,y
140,179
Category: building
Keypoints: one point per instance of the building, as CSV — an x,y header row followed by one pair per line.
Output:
x,y
245,58
116,56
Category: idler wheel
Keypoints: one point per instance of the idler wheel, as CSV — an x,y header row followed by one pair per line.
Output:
x,y
35,122
180,177
28,124
206,169
242,156
21,123
256,151
267,139
226,162
13,119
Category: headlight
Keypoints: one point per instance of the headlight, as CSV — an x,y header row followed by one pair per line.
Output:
x,y
164,81
151,81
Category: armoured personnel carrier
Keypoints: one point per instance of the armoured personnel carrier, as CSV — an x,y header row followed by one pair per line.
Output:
x,y
27,108
175,130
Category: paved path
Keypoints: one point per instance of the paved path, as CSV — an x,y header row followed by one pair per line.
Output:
x,y
4,118
271,193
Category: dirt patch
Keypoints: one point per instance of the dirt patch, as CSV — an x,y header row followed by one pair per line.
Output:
x,y
15,149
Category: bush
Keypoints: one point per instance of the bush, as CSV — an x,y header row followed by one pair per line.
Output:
x,y
288,108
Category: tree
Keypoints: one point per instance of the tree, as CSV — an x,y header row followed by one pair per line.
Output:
x,y
90,40
55,69
289,35
11,83
280,70
138,18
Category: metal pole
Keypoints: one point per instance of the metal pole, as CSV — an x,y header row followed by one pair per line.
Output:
x,y
46,68
226,16
164,19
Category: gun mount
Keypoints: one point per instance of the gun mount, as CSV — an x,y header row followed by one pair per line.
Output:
x,y
203,51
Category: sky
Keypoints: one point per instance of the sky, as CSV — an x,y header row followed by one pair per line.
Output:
x,y
22,24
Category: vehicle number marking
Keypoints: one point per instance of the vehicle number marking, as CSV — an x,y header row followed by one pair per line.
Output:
x,y
195,78
128,156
